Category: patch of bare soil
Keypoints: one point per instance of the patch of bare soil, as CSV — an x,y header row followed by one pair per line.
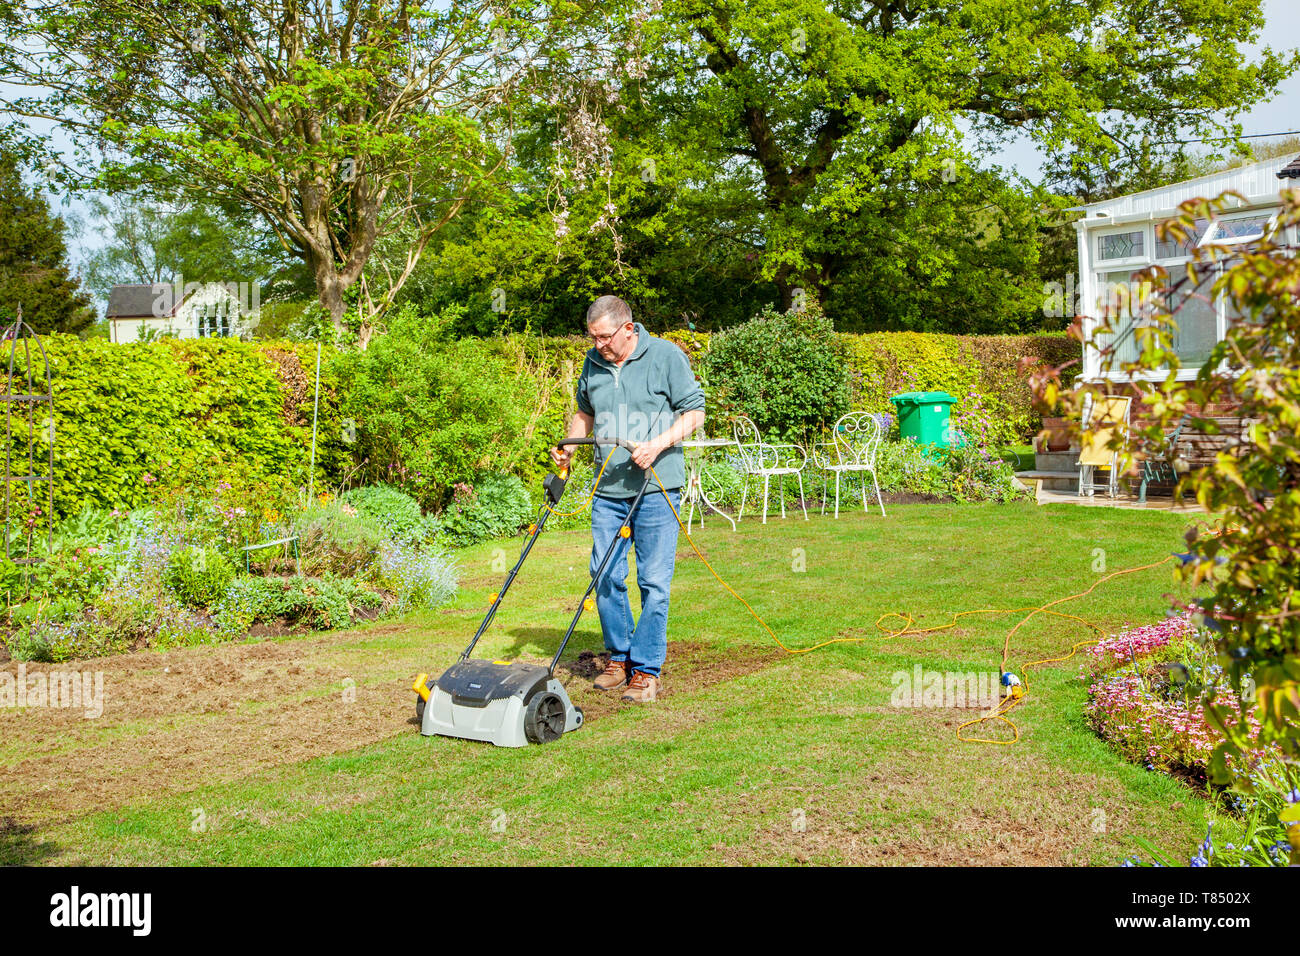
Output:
x,y
195,716
690,667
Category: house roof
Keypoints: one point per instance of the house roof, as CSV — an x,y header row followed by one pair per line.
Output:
x,y
1256,181
137,302
1291,171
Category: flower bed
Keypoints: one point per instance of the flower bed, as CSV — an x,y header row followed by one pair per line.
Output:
x,y
114,581
1149,692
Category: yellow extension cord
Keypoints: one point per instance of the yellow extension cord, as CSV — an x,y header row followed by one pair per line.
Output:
x,y
1008,703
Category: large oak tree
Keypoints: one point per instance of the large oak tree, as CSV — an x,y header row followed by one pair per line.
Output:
x,y
817,131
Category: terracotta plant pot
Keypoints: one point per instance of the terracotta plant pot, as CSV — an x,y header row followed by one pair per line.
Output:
x,y
1056,435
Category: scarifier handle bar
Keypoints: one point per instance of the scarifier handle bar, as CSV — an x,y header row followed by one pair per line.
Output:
x,y
554,488
622,443
600,569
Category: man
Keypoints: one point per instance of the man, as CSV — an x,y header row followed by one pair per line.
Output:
x,y
639,388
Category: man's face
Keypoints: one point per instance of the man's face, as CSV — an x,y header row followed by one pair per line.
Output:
x,y
612,341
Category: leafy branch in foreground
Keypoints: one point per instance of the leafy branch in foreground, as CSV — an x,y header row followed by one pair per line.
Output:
x,y
1247,553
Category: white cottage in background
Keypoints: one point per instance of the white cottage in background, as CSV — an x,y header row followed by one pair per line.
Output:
x,y
1117,239
191,311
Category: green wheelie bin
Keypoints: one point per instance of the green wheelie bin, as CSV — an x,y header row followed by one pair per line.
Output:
x,y
925,418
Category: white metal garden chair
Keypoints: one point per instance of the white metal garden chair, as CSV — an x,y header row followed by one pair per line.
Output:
x,y
760,458
1101,420
857,440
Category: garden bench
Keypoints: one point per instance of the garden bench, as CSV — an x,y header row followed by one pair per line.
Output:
x,y
1188,449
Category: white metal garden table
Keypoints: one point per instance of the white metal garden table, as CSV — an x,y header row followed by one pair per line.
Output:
x,y
695,492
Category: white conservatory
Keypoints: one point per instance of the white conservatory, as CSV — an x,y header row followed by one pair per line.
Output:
x,y
1117,239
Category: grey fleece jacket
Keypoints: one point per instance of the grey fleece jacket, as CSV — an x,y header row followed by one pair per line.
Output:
x,y
638,401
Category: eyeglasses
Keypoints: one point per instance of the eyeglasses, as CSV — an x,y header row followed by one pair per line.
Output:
x,y
604,339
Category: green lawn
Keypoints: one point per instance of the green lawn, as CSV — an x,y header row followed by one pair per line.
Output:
x,y
796,758
1020,457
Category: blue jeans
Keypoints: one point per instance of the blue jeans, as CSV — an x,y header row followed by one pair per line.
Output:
x,y
644,643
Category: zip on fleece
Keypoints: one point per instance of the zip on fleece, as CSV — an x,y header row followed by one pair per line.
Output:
x,y
670,390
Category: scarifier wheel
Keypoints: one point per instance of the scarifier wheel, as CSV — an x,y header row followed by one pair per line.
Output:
x,y
419,701
544,718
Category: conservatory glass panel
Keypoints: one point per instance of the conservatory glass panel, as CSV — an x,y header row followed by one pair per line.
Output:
x,y
1171,248
1120,245
1239,230
1195,313
1119,298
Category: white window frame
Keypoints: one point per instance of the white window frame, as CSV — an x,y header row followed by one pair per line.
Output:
x,y
1098,268
1206,240
1114,265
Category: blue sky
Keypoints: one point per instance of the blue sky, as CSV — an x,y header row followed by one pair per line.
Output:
x,y
1279,115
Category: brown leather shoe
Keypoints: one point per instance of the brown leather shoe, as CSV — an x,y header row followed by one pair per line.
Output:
x,y
614,675
642,687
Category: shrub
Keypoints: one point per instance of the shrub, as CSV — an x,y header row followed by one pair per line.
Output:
x,y
903,466
124,617
786,371
72,566
494,506
199,576
318,603
230,506
978,420
30,643
85,637
432,412
68,575
974,473
334,537
396,512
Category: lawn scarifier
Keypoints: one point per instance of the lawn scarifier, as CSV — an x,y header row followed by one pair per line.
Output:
x,y
513,703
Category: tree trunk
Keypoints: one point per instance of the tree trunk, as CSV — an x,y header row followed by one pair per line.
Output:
x,y
329,290
798,291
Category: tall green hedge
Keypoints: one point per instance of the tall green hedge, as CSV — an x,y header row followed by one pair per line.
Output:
x,y
883,364
133,419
